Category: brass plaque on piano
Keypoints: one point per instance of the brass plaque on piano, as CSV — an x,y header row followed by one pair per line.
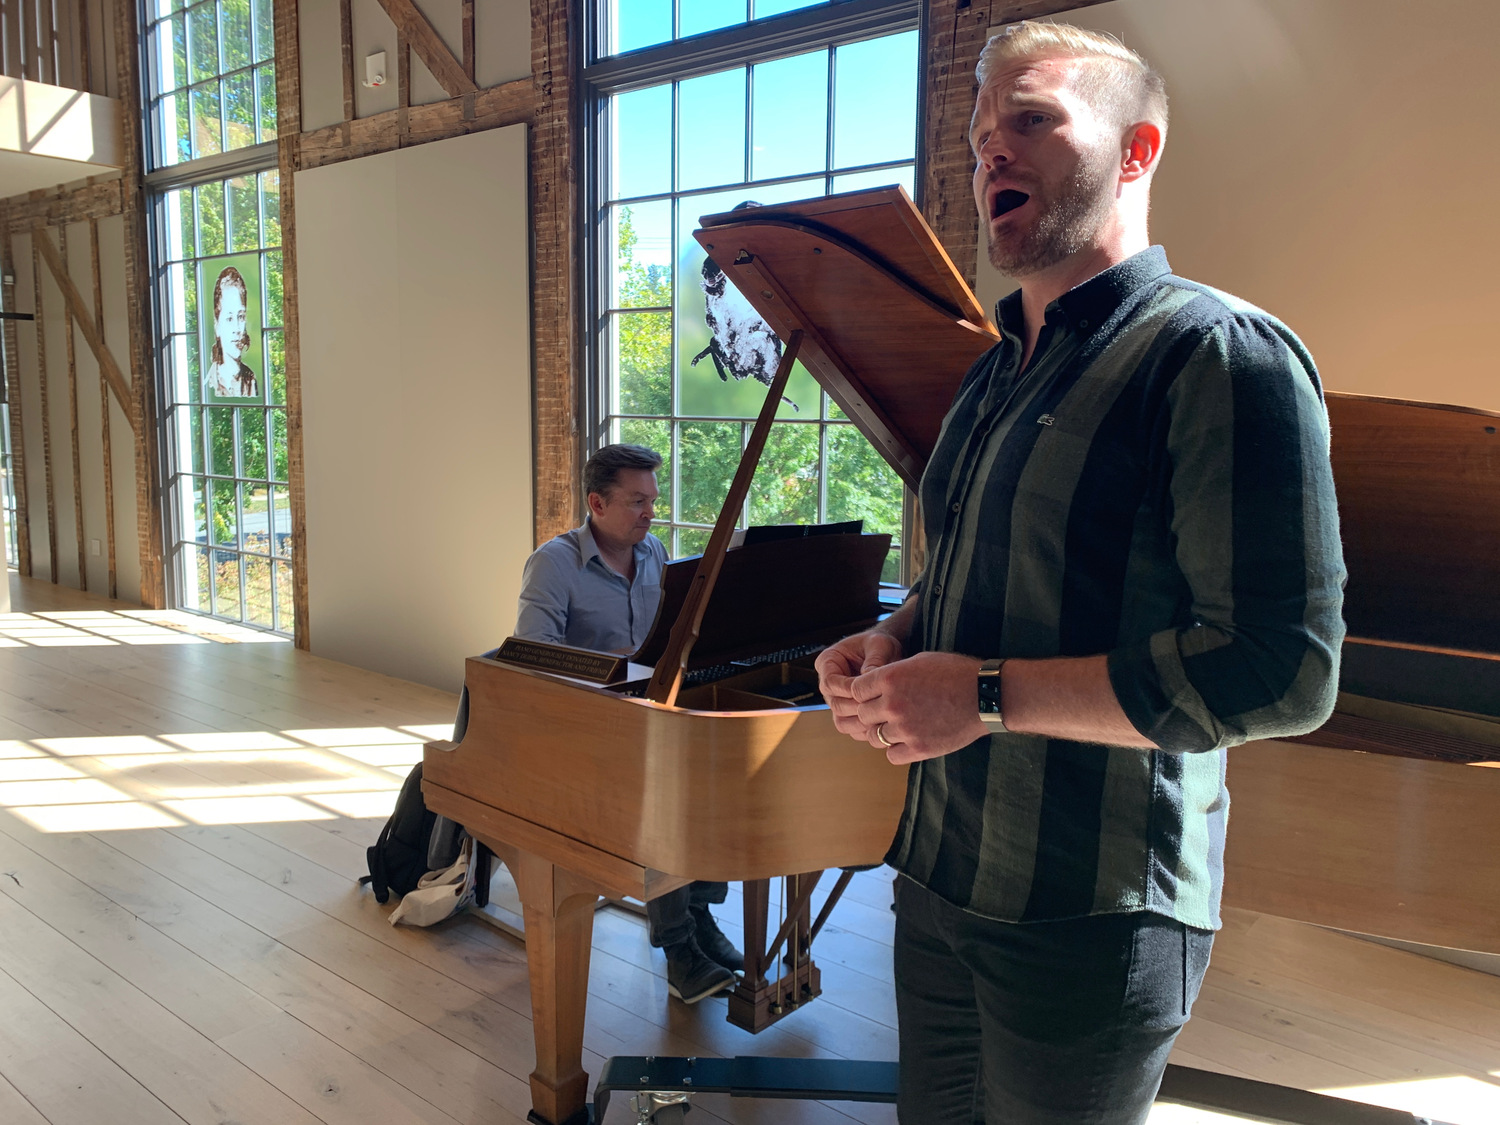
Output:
x,y
581,663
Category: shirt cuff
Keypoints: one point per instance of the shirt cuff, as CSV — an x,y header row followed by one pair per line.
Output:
x,y
1153,690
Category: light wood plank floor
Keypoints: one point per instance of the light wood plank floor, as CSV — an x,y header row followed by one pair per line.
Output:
x,y
184,808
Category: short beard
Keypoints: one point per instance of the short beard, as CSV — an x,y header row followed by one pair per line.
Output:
x,y
1068,223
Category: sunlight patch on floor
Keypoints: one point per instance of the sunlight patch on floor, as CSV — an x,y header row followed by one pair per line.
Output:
x,y
75,628
1164,1113
1457,1099
96,783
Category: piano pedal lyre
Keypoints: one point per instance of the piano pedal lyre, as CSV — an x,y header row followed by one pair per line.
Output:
x,y
762,998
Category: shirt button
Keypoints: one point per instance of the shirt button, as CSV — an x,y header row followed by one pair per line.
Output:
x,y
938,590
957,507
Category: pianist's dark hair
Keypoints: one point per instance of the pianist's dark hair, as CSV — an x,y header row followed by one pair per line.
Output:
x,y
604,467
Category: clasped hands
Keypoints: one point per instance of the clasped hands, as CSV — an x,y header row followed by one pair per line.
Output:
x,y
917,707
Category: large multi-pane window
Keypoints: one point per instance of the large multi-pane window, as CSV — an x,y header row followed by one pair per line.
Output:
x,y
216,238
232,508
838,117
213,79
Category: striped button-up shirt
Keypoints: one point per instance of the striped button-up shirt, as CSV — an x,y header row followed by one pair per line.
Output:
x,y
1155,486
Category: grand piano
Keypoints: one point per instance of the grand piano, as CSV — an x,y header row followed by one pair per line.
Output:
x,y
705,758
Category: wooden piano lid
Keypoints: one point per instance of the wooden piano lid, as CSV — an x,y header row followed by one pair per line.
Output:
x,y
890,326
1419,511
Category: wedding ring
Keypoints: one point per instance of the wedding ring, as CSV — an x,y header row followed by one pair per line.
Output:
x,y
880,736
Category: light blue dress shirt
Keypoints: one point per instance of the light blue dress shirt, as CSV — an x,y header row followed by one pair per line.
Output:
x,y
570,596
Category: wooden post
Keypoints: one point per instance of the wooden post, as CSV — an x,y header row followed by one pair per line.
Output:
x,y
84,53
13,384
104,408
346,44
554,312
83,573
153,593
41,370
468,36
559,910
403,86
288,130
756,897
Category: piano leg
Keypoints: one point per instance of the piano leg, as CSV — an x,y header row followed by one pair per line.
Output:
x,y
559,910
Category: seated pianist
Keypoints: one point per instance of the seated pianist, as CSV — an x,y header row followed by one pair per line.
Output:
x,y
597,587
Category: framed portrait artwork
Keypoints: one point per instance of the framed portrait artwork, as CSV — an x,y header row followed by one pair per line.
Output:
x,y
230,320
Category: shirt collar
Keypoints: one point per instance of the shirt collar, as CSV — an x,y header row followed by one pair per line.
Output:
x,y
588,547
1086,306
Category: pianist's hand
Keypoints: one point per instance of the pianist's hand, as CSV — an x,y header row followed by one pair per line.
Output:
x,y
925,706
837,666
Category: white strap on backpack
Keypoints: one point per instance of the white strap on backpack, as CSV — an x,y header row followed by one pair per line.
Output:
x,y
439,894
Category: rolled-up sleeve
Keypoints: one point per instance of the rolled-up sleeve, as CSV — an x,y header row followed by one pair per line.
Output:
x,y
1254,525
543,614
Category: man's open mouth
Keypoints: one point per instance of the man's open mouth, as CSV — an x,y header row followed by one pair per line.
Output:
x,y
1007,200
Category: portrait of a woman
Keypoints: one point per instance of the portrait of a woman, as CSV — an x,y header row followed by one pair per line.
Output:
x,y
228,376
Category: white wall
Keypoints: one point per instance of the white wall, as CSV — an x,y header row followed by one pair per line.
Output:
x,y
502,52
1334,161
413,274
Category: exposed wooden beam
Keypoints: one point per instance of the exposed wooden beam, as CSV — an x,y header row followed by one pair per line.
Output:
x,y
346,46
468,35
555,316
109,463
85,64
13,387
288,131
41,371
508,104
73,302
74,205
424,39
83,573
403,85
138,281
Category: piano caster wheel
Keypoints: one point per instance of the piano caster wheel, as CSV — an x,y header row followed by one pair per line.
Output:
x,y
656,1107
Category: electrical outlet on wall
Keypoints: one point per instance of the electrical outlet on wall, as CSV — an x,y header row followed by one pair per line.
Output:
x,y
94,547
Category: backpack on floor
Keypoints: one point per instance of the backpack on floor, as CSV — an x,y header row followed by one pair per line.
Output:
x,y
414,841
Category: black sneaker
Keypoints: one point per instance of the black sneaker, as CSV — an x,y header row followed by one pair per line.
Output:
x,y
692,975
712,941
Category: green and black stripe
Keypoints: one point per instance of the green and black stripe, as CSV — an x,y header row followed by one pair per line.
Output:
x,y
1156,487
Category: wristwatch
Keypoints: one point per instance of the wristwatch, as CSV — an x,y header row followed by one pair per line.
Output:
x,y
989,696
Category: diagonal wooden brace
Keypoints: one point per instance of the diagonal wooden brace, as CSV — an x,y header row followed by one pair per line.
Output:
x,y
83,320
430,48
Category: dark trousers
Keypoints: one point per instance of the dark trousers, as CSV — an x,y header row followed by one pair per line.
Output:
x,y
1038,1023
671,916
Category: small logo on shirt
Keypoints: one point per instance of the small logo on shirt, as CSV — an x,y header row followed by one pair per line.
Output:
x,y
1045,420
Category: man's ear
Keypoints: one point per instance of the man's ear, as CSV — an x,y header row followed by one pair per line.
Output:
x,y
1142,151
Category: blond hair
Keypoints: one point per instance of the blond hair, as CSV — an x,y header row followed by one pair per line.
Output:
x,y
1118,83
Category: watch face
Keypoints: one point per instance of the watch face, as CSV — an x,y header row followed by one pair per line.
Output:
x,y
989,695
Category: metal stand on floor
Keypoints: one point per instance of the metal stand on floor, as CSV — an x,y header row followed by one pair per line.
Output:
x,y
663,1089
